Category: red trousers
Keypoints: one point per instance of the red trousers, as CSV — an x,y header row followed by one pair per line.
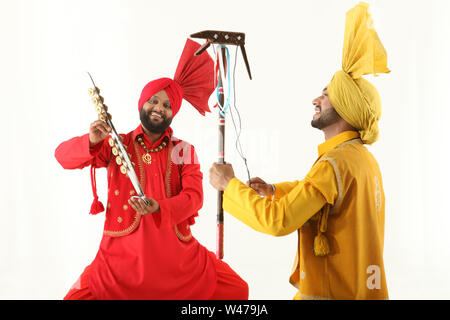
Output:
x,y
229,285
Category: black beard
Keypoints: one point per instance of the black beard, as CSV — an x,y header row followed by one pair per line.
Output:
x,y
325,119
152,127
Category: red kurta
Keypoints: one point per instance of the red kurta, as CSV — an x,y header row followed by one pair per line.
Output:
x,y
151,261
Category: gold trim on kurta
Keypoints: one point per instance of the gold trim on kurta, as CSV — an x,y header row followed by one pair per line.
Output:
x,y
182,237
169,171
137,217
128,230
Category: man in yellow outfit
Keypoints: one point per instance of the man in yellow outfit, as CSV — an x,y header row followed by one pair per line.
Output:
x,y
338,208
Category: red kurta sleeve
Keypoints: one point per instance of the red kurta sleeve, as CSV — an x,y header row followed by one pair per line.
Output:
x,y
76,153
176,209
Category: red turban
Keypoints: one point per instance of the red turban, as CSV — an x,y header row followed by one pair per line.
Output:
x,y
193,81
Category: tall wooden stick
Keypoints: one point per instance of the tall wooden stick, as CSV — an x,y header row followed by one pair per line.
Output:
x,y
223,38
221,158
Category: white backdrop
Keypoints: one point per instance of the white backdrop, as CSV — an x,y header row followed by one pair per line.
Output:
x,y
47,236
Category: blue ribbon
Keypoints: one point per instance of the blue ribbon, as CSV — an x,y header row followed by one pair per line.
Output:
x,y
227,103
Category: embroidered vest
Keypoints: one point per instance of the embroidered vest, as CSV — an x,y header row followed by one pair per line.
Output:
x,y
121,219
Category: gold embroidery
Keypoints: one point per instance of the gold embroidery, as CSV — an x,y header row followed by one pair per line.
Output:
x,y
137,217
125,207
119,219
109,205
169,171
116,192
128,230
142,178
182,237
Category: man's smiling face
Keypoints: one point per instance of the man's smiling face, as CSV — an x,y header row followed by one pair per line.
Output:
x,y
325,115
156,113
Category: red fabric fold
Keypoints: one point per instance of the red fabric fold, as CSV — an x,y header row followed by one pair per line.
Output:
x,y
195,74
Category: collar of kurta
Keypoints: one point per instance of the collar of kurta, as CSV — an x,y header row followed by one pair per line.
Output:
x,y
332,143
139,131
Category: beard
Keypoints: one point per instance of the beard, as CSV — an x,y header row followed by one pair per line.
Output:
x,y
152,126
325,119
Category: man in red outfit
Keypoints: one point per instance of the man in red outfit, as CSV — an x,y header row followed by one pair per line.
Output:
x,y
148,251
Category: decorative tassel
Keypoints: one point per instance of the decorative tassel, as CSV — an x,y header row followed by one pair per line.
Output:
x,y
96,206
321,245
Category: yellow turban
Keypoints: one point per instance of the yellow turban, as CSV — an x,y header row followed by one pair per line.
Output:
x,y
355,99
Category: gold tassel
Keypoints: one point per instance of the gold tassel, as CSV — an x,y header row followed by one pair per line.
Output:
x,y
321,245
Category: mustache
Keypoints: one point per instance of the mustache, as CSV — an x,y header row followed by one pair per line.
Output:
x,y
149,113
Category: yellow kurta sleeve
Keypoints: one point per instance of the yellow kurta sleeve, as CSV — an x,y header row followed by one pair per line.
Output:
x,y
288,213
283,188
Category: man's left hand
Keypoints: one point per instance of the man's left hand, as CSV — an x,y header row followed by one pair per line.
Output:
x,y
220,175
140,206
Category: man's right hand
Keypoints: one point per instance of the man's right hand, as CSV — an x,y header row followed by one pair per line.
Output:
x,y
98,132
260,186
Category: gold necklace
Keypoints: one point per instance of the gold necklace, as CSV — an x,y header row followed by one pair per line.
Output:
x,y
147,158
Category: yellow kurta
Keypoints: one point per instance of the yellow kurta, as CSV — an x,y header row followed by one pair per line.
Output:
x,y
346,176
